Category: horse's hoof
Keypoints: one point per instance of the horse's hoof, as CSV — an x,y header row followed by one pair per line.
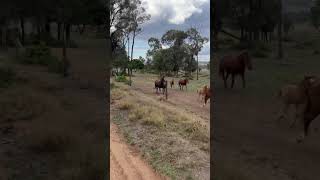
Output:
x,y
300,139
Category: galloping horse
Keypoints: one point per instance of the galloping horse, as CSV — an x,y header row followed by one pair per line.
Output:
x,y
160,84
183,82
206,94
172,83
235,65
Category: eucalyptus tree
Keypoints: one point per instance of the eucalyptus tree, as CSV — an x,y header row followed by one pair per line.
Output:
x,y
196,44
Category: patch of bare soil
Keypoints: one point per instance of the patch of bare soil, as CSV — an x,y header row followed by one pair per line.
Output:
x,y
125,163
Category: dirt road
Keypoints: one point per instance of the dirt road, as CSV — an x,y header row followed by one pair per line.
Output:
x,y
125,163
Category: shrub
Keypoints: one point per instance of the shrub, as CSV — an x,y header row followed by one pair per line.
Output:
x,y
7,77
121,78
33,39
259,53
41,55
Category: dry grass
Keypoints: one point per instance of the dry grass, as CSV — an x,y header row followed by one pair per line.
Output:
x,y
51,126
176,141
126,105
21,103
118,93
148,115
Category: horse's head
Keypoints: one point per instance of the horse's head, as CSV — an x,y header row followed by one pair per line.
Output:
x,y
307,82
247,60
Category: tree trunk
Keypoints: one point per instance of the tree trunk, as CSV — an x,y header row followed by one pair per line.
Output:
x,y
59,31
197,67
22,30
66,63
39,31
280,48
68,31
4,36
48,27
132,45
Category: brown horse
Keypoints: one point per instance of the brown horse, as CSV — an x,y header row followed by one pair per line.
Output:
x,y
206,94
200,92
311,86
235,65
172,83
183,82
160,84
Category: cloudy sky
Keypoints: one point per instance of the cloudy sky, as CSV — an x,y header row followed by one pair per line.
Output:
x,y
176,14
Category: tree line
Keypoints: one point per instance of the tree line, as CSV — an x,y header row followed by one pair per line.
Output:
x,y
42,13
181,54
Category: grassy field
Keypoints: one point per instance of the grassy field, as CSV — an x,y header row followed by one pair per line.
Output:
x,y
148,78
172,139
250,137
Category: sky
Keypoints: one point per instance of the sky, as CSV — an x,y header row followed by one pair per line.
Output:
x,y
176,14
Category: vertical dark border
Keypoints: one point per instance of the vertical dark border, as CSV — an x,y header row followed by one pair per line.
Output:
x,y
212,90
107,91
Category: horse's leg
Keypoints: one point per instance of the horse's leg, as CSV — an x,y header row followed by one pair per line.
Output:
x,y
232,82
283,114
243,80
296,117
226,80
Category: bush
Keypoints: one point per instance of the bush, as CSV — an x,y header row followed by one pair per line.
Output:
x,y
41,55
33,39
259,53
7,77
121,78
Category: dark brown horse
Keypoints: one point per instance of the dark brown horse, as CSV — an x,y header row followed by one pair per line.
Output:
x,y
172,83
183,82
311,87
160,84
235,65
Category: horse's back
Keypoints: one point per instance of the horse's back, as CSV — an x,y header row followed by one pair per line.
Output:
x,y
314,93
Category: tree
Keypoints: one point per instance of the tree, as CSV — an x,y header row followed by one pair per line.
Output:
x,y
315,15
175,39
137,63
287,25
196,44
280,48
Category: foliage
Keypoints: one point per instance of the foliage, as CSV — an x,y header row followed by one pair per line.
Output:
x,y
121,78
41,55
181,47
137,63
315,14
7,76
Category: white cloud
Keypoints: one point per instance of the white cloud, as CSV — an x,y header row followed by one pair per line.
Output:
x,y
173,11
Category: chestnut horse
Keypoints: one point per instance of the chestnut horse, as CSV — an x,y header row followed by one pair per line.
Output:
x,y
183,82
235,65
206,94
172,83
160,84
